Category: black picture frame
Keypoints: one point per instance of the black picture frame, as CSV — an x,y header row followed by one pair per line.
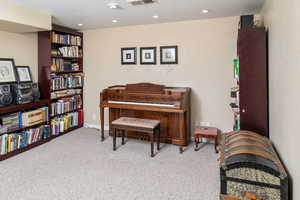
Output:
x,y
8,73
165,61
152,54
130,55
28,71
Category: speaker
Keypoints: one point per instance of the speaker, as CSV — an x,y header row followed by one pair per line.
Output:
x,y
247,21
6,95
36,92
23,93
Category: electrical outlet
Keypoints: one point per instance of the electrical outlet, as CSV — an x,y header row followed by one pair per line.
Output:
x,y
94,117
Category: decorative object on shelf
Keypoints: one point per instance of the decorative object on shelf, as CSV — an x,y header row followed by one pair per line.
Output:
x,y
24,74
7,71
168,55
6,95
148,55
128,56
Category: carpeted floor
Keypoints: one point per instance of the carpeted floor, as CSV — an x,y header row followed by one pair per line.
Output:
x,y
78,166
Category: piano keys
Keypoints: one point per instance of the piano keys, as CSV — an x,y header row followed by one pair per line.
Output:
x,y
170,105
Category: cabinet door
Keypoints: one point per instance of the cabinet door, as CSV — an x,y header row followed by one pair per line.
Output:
x,y
252,47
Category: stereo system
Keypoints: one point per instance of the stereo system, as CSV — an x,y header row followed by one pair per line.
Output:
x,y
21,93
6,95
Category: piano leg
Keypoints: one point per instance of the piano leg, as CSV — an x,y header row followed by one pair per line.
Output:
x,y
181,150
158,138
102,123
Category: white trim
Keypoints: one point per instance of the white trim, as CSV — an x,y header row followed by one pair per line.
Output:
x,y
95,126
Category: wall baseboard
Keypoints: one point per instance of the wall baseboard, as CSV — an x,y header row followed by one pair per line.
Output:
x,y
95,126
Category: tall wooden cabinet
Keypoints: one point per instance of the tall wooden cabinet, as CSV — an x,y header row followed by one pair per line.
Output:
x,y
253,81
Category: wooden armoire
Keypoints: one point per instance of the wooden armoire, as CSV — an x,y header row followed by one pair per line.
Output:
x,y
253,81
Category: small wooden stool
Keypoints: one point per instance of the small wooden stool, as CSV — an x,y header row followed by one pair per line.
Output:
x,y
205,132
152,127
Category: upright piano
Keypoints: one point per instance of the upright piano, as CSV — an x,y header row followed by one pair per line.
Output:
x,y
170,105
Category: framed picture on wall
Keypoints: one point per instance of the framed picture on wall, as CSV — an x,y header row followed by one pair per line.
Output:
x,y
128,56
148,55
24,74
7,71
168,55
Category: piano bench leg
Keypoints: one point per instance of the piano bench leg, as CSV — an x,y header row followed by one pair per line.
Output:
x,y
152,144
181,150
114,139
123,137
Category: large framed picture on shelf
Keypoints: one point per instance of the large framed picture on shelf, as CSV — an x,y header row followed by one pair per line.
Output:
x,y
7,71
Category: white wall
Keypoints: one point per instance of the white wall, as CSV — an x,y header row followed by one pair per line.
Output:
x,y
206,51
282,20
22,47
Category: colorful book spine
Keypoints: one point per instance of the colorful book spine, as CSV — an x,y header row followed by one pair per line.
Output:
x,y
14,141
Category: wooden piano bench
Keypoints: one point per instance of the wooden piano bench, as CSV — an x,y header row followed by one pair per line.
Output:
x,y
151,127
206,132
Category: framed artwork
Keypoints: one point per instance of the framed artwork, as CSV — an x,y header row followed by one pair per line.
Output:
x,y
7,71
168,55
148,55
128,56
24,74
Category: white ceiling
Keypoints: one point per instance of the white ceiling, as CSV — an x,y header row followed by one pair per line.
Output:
x,y
96,14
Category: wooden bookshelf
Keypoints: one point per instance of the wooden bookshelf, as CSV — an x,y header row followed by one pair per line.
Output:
x,y
46,45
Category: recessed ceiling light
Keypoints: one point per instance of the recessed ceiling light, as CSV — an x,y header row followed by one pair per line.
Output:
x,y
205,11
80,24
114,21
113,5
155,16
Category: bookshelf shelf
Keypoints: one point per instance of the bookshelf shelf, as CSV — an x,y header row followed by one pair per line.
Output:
x,y
65,57
55,99
59,115
23,107
66,89
62,44
25,128
68,72
67,131
18,151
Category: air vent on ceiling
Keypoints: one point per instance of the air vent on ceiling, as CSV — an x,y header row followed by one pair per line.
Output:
x,y
141,2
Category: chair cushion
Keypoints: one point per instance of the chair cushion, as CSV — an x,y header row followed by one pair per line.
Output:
x,y
136,122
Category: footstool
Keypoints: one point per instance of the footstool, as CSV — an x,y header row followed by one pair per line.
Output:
x,y
205,132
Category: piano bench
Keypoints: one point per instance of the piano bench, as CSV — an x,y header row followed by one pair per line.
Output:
x,y
149,126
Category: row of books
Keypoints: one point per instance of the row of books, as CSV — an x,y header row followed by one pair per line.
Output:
x,y
65,93
66,105
14,141
66,39
66,81
61,65
61,124
234,94
70,52
15,121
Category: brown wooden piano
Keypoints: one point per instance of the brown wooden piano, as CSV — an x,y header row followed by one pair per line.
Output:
x,y
170,105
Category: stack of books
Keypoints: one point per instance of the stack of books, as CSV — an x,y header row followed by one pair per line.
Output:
x,y
70,52
33,117
234,94
61,65
10,122
62,124
14,141
66,39
64,93
66,105
66,81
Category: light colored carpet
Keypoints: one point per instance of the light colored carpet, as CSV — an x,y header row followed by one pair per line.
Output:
x,y
78,166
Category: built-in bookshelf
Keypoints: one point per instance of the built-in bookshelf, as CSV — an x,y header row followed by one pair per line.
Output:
x,y
19,132
61,77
